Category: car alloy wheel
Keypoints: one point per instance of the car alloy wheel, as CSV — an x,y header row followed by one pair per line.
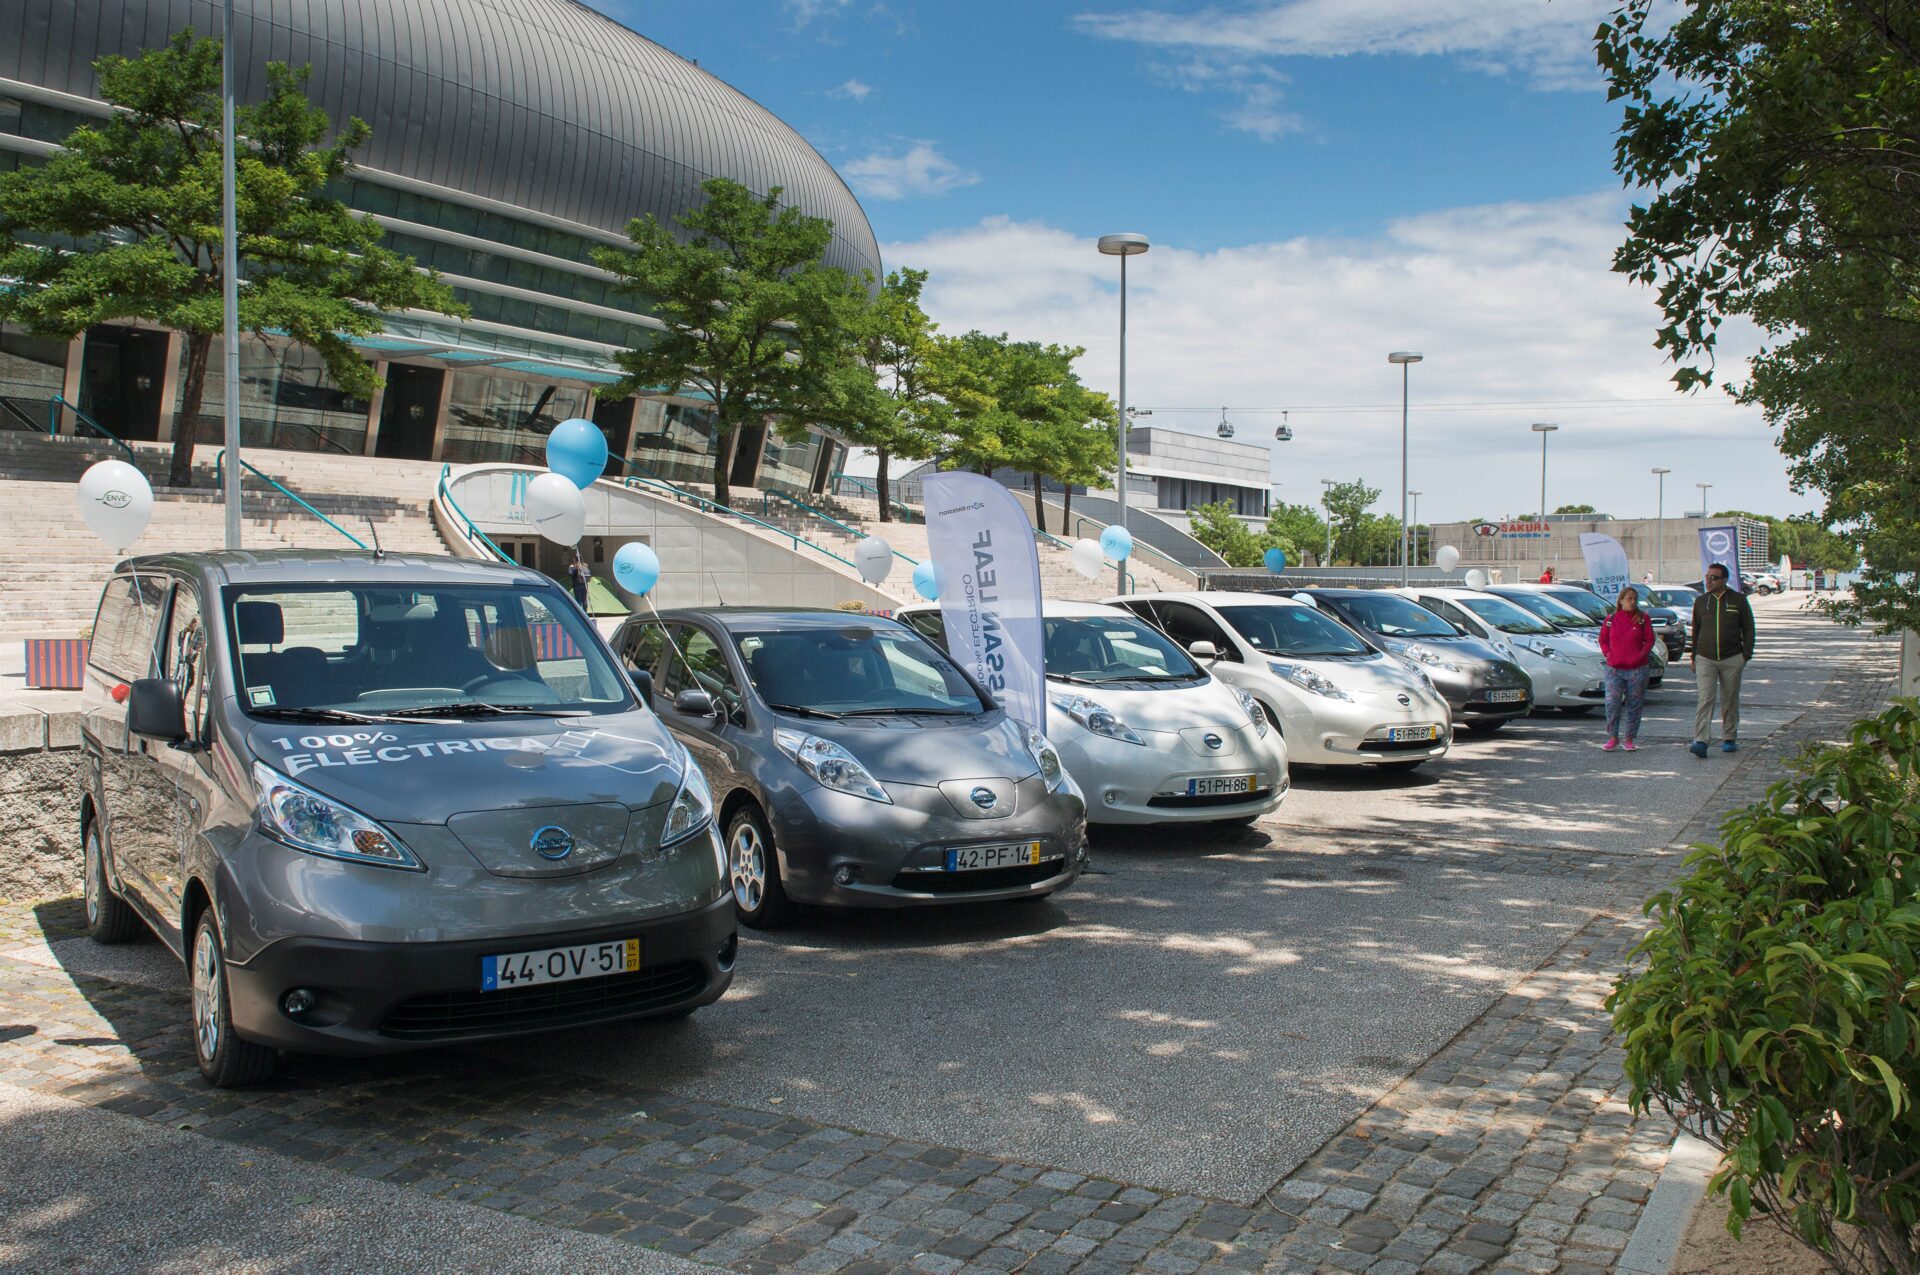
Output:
x,y
747,864
206,998
225,1059
109,919
90,878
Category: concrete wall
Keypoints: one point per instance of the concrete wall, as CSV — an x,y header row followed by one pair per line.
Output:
x,y
706,559
1677,550
39,803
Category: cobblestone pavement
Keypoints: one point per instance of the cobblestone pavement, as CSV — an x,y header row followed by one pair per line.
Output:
x,y
1509,1149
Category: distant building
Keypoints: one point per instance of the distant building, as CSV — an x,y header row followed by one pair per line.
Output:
x,y
1512,548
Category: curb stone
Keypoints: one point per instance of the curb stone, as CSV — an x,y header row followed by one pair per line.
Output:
x,y
1663,1223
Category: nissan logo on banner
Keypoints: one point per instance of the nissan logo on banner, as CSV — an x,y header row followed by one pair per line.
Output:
x,y
1722,545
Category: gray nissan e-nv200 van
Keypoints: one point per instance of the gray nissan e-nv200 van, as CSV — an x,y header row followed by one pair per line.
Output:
x,y
376,802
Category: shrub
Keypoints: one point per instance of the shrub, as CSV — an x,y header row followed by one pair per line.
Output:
x,y
1776,1012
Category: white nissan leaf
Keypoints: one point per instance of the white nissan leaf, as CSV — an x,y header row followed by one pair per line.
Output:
x,y
1149,734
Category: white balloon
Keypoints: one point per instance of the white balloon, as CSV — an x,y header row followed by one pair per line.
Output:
x,y
1087,558
1476,579
873,558
116,501
556,508
1447,559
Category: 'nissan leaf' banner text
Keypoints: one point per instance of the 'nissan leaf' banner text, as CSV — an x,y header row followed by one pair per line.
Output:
x,y
1722,545
988,570
1606,564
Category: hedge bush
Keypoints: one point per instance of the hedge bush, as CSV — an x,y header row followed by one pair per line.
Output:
x,y
1777,1013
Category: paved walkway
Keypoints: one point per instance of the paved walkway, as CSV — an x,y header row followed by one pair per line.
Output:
x,y
1509,1148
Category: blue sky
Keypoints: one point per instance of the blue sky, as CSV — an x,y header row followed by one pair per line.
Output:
x,y
1323,180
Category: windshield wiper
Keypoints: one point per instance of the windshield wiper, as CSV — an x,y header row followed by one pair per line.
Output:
x,y
801,710
480,708
902,712
318,715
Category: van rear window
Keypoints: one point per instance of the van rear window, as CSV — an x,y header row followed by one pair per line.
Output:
x,y
123,628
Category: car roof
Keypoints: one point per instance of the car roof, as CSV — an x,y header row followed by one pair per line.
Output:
x,y
308,566
1441,591
1050,607
1215,598
774,619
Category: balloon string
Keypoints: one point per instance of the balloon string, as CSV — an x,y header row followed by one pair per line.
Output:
x,y
668,634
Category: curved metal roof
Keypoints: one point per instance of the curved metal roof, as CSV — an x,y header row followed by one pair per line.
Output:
x,y
541,104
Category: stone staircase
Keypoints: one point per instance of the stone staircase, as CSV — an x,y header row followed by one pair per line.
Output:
x,y
53,564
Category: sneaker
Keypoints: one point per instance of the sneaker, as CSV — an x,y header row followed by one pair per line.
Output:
x,y
1609,746
1729,747
1628,745
1698,748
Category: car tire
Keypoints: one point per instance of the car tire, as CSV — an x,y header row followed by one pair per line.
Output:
x,y
753,872
1402,767
225,1060
109,918
1487,727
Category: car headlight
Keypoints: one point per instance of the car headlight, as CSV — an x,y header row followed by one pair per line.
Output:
x,y
1097,718
1255,714
1431,658
1309,679
692,807
1413,667
297,816
1553,653
830,765
1047,758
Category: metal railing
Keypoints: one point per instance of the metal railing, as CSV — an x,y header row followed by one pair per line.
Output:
x,y
13,416
1139,546
827,518
219,472
837,478
54,405
715,507
445,495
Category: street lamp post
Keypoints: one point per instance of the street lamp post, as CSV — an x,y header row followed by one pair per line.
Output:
x,y
1326,490
1703,497
1406,359
1660,527
1543,430
1123,246
229,281
1413,528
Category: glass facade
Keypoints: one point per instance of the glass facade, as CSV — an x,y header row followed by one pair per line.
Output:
x,y
490,417
287,400
32,370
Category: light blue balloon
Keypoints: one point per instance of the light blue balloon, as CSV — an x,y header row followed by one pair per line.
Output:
x,y
1116,542
1276,559
924,582
636,567
577,451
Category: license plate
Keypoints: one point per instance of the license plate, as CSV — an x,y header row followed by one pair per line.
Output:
x,y
981,858
1505,697
1220,785
1401,734
559,964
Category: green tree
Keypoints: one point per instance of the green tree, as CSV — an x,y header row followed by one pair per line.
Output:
x,y
1576,509
881,396
1776,140
1215,527
754,320
1347,509
1297,529
136,197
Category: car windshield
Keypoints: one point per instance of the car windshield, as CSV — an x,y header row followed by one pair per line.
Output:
x,y
1585,601
1115,648
416,650
1679,599
1550,609
1505,616
855,670
1393,616
1299,631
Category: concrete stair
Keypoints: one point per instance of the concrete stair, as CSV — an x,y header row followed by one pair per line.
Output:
x,y
53,564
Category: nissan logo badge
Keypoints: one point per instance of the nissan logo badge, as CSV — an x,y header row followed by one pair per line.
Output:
x,y
1212,740
983,797
553,843
1406,700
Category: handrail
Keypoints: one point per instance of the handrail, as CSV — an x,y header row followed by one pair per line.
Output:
x,y
1140,545
830,520
57,402
838,477
706,505
219,470
453,506
13,408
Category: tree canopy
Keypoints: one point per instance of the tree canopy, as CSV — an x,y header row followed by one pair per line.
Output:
x,y
1778,142
128,214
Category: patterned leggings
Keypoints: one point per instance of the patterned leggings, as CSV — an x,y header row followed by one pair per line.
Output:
x,y
1626,697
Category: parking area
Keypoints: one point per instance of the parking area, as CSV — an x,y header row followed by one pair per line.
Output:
x,y
1202,1032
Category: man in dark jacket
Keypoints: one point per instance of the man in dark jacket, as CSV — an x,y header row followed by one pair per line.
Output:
x,y
1722,645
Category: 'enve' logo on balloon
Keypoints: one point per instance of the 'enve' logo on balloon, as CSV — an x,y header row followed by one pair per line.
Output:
x,y
115,499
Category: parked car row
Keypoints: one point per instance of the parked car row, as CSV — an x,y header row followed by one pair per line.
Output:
x,y
384,802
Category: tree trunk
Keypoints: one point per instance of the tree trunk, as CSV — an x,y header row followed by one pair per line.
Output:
x,y
722,462
880,484
186,423
1066,511
1039,503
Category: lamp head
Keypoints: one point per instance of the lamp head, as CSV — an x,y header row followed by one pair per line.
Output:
x,y
1128,244
1542,428
1661,470
1405,356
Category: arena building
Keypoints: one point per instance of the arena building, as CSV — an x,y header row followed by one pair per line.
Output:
x,y
510,139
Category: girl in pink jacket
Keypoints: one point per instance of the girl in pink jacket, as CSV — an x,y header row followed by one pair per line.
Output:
x,y
1626,642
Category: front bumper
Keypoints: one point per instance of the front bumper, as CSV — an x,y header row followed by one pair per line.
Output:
x,y
1360,734
1470,696
379,997
845,851
1134,783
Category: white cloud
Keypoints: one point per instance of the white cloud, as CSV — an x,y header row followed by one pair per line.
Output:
x,y
853,89
1254,85
805,11
1513,304
919,171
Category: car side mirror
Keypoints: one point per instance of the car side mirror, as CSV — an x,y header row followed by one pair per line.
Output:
x,y
154,709
642,684
694,702
1203,650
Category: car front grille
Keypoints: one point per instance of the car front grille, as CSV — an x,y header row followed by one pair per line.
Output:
x,y
1398,746
1180,801
462,1015
984,879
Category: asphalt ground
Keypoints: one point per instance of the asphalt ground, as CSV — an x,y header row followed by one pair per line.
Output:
x,y
1206,1009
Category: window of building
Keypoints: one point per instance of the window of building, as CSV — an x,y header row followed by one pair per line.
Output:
x,y
494,417
32,370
